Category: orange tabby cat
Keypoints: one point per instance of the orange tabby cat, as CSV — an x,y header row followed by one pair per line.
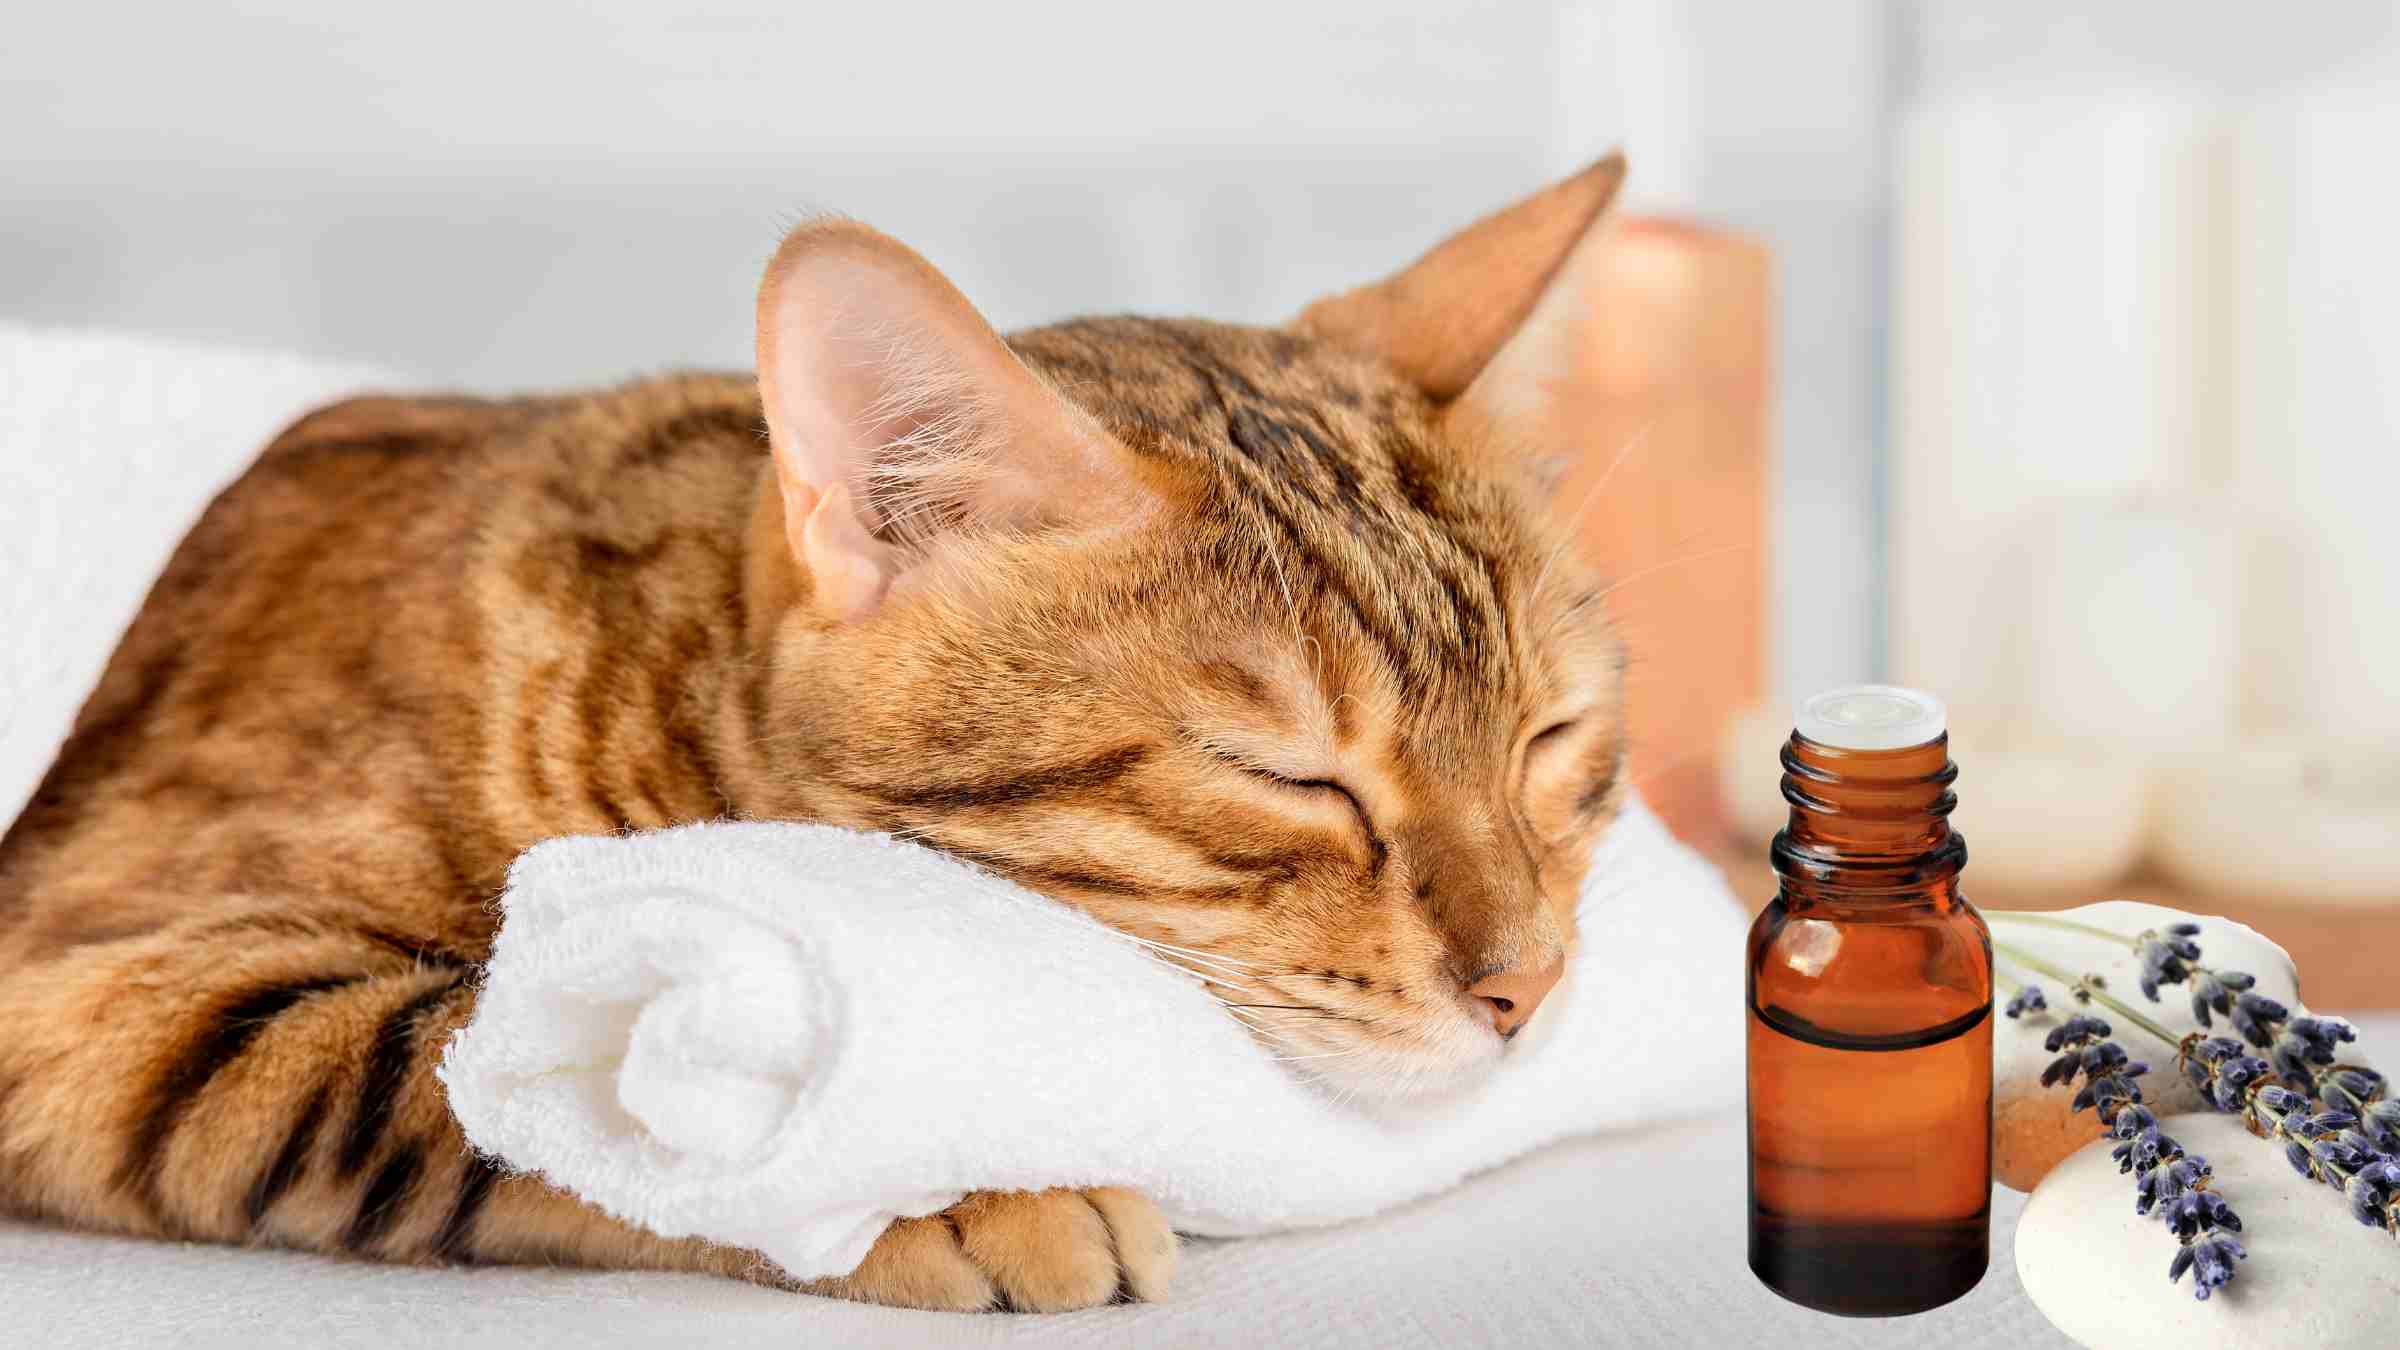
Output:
x,y
1252,641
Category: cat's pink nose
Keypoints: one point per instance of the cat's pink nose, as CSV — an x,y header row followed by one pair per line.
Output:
x,y
1511,995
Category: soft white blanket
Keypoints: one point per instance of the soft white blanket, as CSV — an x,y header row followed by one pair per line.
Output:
x,y
785,1036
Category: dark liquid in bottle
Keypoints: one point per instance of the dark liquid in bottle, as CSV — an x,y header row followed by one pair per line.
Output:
x,y
1879,1210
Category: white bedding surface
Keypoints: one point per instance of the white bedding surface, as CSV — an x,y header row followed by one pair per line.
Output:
x,y
1631,1240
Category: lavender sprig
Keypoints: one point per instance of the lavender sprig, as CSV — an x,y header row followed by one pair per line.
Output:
x,y
2296,1046
2336,1122
2324,1144
2176,1187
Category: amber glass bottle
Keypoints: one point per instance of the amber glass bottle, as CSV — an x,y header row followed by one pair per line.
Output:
x,y
1870,1022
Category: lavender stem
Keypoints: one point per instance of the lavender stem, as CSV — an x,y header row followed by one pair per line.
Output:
x,y
2087,988
2052,921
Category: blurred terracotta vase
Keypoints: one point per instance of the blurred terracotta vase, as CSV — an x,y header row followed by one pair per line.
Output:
x,y
1668,409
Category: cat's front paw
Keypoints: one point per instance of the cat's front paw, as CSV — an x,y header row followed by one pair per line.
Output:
x,y
1026,1251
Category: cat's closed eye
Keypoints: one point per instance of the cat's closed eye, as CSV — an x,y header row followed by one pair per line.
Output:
x,y
1566,775
1328,786
1550,734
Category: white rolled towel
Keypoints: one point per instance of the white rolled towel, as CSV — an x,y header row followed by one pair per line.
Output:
x,y
783,1037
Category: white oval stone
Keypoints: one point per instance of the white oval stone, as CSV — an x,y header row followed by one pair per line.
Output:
x,y
2032,1129
2315,1279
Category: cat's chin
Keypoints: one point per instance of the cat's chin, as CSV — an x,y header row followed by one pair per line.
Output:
x,y
1397,1084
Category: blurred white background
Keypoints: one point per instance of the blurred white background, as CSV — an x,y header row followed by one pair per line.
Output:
x,y
2084,314
559,194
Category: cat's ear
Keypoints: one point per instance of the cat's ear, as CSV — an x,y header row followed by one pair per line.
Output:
x,y
897,414
1442,321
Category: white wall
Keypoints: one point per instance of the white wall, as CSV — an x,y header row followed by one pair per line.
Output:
x,y
548,192
501,195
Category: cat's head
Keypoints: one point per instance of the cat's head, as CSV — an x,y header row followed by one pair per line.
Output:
x,y
1262,644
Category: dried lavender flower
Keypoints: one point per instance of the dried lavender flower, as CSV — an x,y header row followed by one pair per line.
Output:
x,y
2200,1058
2028,1000
2234,1079
2353,1088
2075,1030
2166,1183
2166,956
2381,1122
2199,1210
2371,1190
2256,1016
2142,1141
2210,1260
2280,1100
2213,991
2306,1041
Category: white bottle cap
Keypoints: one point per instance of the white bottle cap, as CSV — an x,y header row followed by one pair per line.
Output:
x,y
1871,717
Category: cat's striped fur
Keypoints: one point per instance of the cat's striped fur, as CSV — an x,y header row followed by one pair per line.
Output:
x,y
1322,694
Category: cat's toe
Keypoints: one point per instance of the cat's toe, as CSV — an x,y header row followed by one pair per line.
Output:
x,y
1145,1241
1028,1251
1047,1251
1058,1250
918,1263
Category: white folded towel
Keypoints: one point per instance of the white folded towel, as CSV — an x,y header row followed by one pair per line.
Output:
x,y
783,1037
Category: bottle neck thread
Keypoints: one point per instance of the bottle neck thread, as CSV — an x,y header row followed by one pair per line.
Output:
x,y
1869,826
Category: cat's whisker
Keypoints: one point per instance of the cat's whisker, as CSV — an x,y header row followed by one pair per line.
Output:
x,y
1574,520
1283,580
1652,772
1205,973
1638,574
1565,616
1270,1007
1213,981
1316,652
1208,966
1285,1041
1228,979
1270,1037
1261,1018
1594,900
1218,958
1201,963
1265,1025
1169,949
1585,602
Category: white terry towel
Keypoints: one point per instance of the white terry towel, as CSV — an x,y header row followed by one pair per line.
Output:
x,y
783,1037
110,445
